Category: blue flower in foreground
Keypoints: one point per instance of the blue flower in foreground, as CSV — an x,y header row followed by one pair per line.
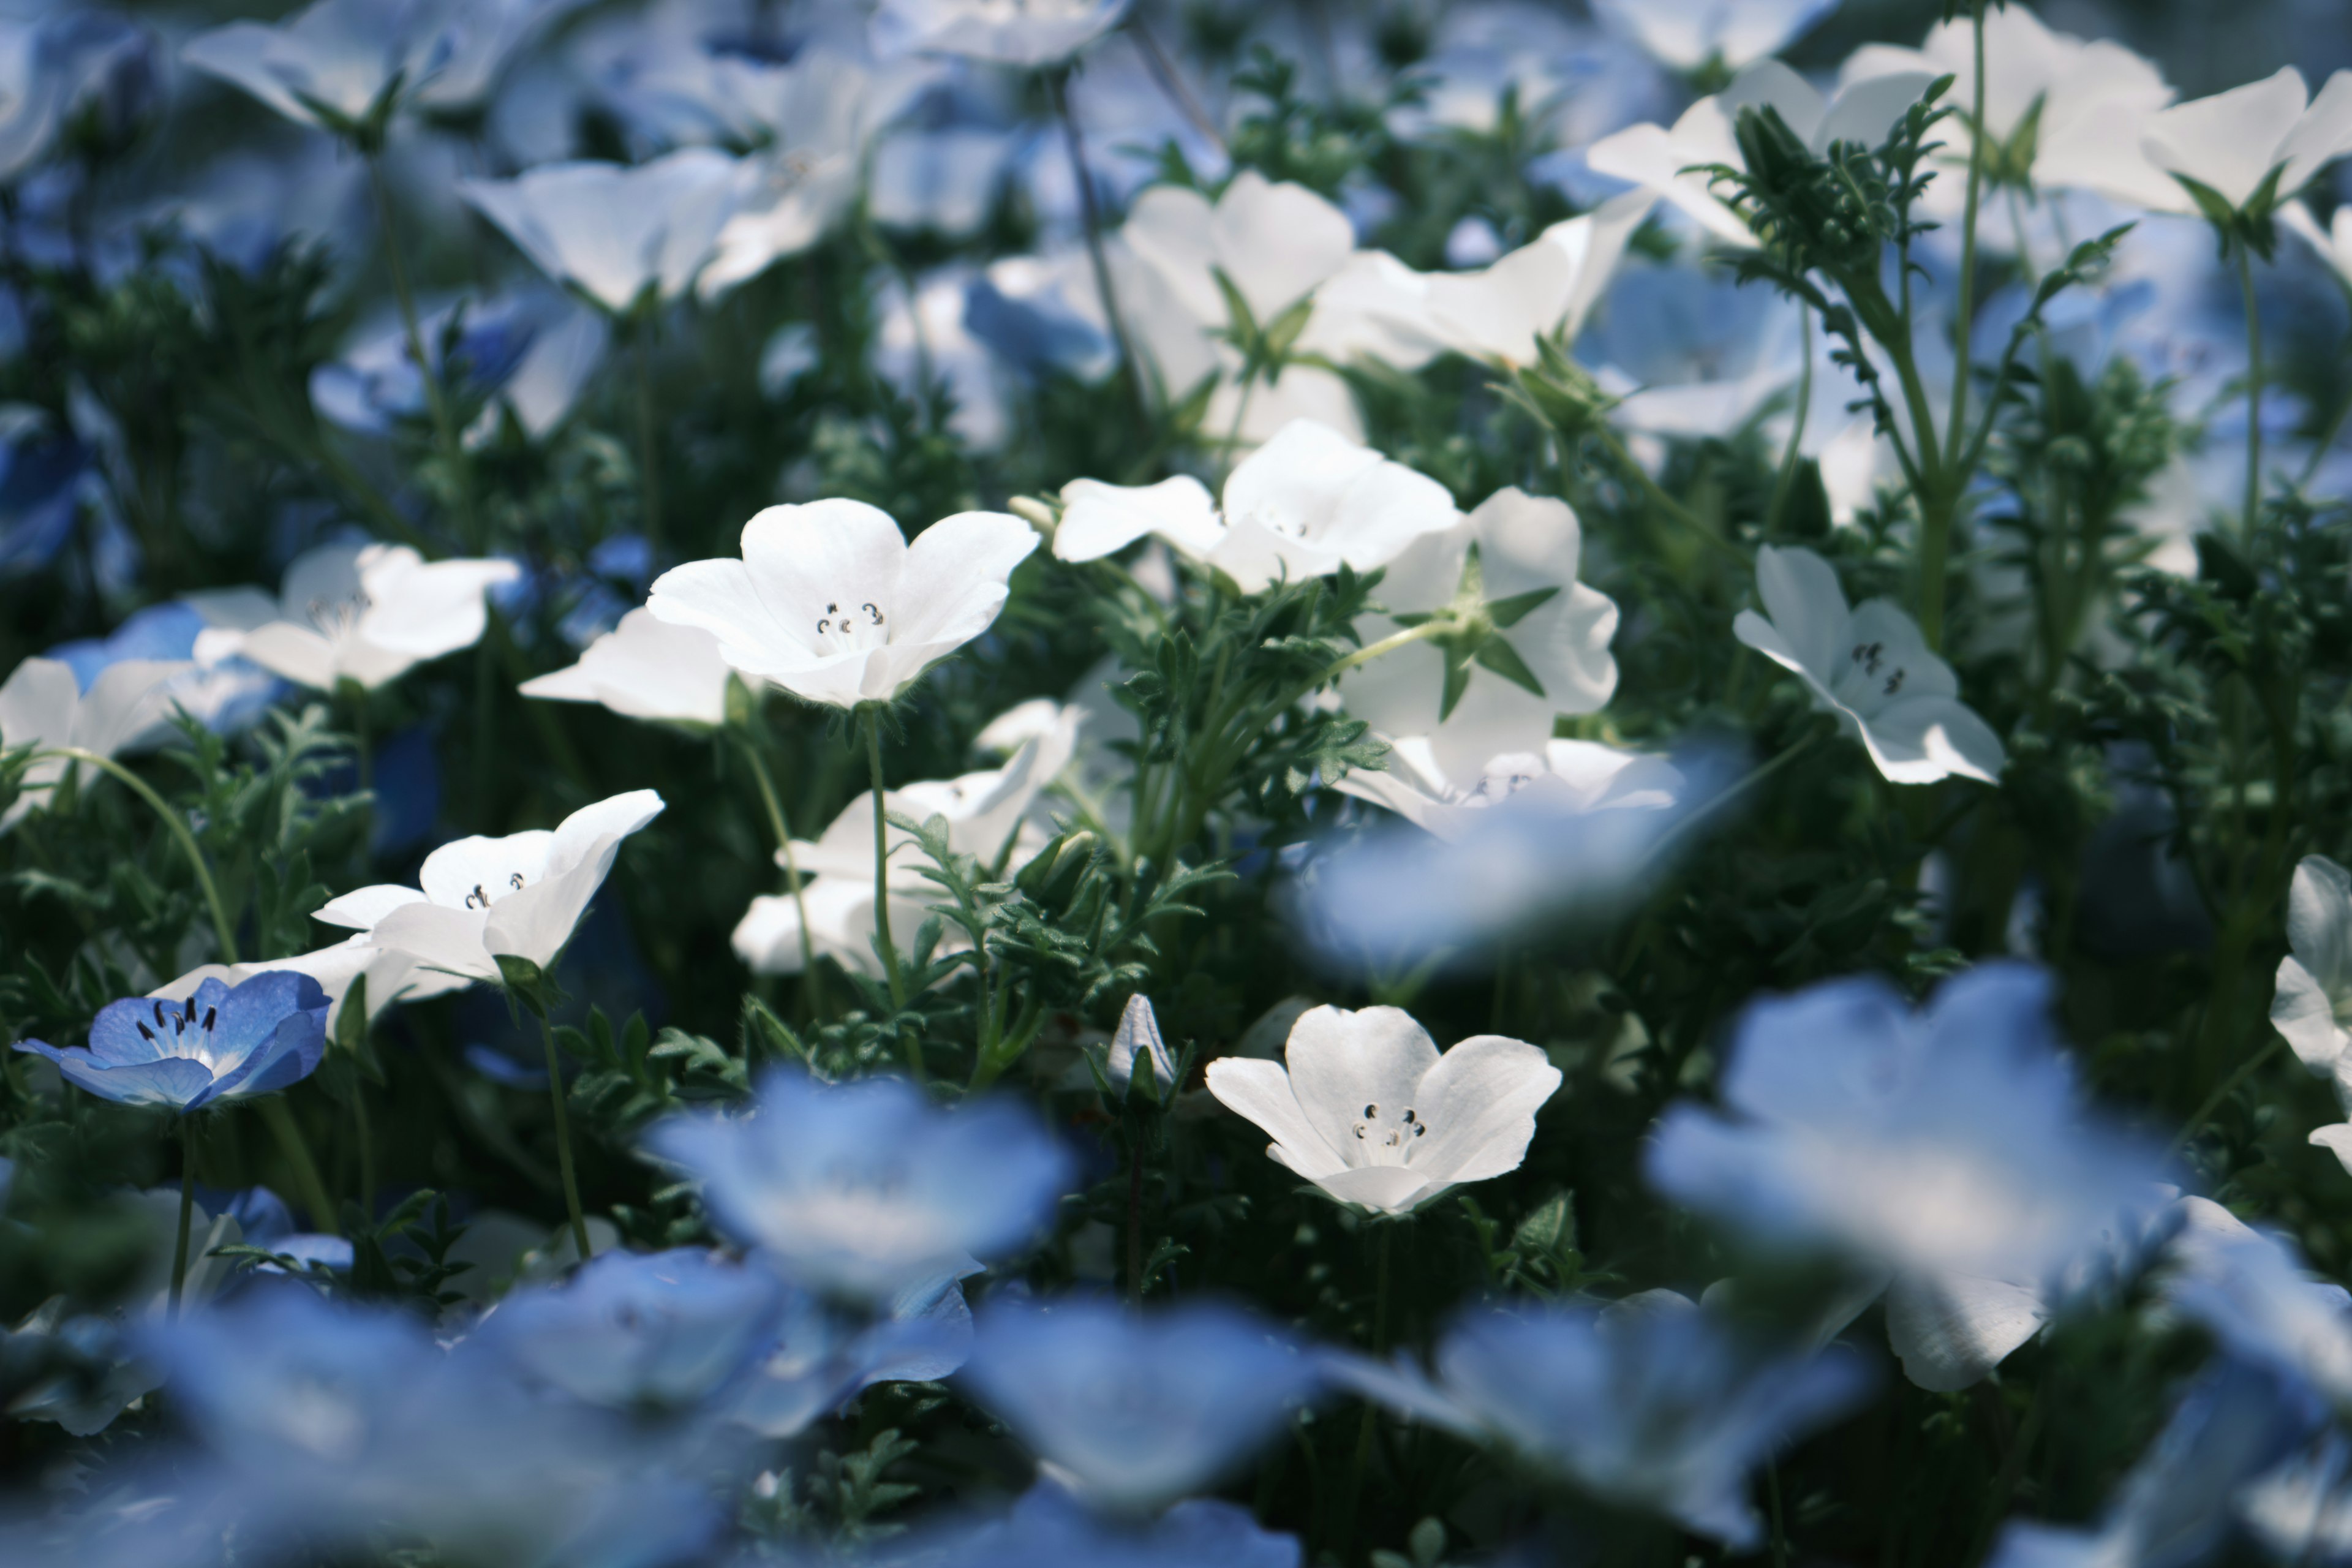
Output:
x,y
1046,1529
224,1042
867,1187
1135,1411
2250,1291
1951,1140
1654,1403
819,1359
228,694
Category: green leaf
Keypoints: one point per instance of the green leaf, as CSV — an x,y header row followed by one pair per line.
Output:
x,y
1500,657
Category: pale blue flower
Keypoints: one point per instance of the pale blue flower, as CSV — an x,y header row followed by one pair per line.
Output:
x,y
2249,1290
340,64
819,1358
222,1043
1047,1529
623,236
227,694
867,1187
1951,1140
1135,1411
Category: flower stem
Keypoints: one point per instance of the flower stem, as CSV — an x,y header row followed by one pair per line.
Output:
x,y
648,451
187,1209
436,399
1787,478
1967,279
2222,1091
1135,1221
882,868
1657,496
221,930
2254,386
783,832
563,1138
1363,1459
1057,83
274,1111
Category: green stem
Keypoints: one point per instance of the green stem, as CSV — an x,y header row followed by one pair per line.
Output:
x,y
1657,496
280,1120
1057,85
221,930
1363,1459
882,865
1787,476
563,1138
783,833
2212,1102
1968,249
187,1209
365,1137
2253,387
648,451
437,400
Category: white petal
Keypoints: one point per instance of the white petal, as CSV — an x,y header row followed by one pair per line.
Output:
x,y
2232,141
439,937
1276,242
1261,1091
2303,1012
954,579
1950,1331
1479,1103
1932,737
361,908
2319,920
1341,1061
1098,519
1389,1189
1808,608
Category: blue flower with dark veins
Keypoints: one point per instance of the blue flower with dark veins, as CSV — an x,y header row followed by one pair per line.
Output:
x,y
224,1042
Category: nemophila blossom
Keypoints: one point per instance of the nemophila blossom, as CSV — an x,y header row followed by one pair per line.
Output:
x,y
646,668
1010,32
483,899
366,613
79,66
389,976
1512,565
1134,1412
1135,1041
818,1358
1869,666
527,355
1046,1529
841,924
1662,1406
341,64
2249,1290
1367,1109
2246,150
1689,35
1950,1141
126,708
2312,1001
623,236
867,1187
227,695
223,1043
1566,776
831,603
2332,243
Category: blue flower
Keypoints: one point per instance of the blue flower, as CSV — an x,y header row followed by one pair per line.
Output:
x,y
1137,1410
42,466
819,1359
1653,1403
1951,1140
224,1042
867,1187
1046,1529
227,694
2249,1289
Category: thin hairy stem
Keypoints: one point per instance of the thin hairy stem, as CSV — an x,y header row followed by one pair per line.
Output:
x,y
225,932
564,1165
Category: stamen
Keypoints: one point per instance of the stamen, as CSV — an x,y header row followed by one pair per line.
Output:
x,y
871,610
211,1015
192,1009
148,1033
159,1015
477,899
515,881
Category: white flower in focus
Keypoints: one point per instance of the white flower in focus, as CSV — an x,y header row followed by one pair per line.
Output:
x,y
1370,1112
645,669
2266,135
620,235
482,898
1673,161
1009,32
1566,776
390,976
366,613
831,603
1524,546
1689,35
1870,668
337,63
126,708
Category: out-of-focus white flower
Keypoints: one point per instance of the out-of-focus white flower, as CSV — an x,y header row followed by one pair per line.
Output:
x,y
59,68
831,603
2312,1004
391,976
1566,775
921,342
1043,312
1690,354
341,64
1369,1110
1672,161
126,708
353,612
620,235
1513,548
1690,34
1871,667
484,898
1010,32
840,925
645,669
2334,243
2266,135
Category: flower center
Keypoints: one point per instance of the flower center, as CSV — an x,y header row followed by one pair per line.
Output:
x,y
481,898
190,1036
337,618
1869,660
846,628
1383,1140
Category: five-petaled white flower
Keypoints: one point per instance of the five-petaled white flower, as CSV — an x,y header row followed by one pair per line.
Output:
x,y
390,976
128,707
831,603
1303,505
1010,32
2266,139
1372,1114
622,235
352,612
1871,667
337,63
1567,777
1689,35
483,899
645,669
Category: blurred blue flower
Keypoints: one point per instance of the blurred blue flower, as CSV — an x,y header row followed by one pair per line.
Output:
x,y
2249,1290
1654,1403
1951,1140
42,466
1043,313
223,1043
1047,1529
79,66
819,1358
867,1187
264,1220
227,694
1135,1411
530,353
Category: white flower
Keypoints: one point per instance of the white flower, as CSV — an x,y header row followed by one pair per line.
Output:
x,y
645,669
1525,546
616,233
840,925
1870,667
831,603
1690,33
353,612
126,708
390,976
1672,161
2233,143
1274,243
1010,32
1379,306
1302,505
339,63
1370,1112
2332,243
2312,1006
1139,1039
484,898
1566,776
